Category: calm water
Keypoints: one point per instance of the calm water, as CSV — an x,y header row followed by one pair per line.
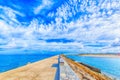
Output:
x,y
14,58
11,61
108,65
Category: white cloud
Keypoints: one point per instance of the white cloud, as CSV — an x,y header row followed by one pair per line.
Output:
x,y
46,4
9,14
92,26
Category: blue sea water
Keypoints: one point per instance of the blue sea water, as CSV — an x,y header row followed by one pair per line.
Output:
x,y
12,61
14,58
107,65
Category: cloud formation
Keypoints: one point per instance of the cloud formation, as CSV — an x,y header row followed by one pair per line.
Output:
x,y
73,25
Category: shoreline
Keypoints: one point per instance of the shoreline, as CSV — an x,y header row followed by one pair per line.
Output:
x,y
101,55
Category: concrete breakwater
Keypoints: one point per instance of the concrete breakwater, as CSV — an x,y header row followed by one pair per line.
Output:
x,y
48,69
92,68
85,72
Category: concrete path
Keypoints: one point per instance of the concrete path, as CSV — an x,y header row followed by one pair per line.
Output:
x,y
42,70
66,73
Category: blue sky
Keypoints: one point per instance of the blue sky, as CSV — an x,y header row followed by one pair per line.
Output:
x,y
70,25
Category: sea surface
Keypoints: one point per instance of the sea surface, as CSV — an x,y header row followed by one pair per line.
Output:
x,y
107,65
12,61
14,58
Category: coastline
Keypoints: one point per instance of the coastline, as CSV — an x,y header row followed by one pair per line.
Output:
x,y
101,55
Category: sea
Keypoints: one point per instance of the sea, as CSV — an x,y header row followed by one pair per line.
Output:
x,y
107,65
11,59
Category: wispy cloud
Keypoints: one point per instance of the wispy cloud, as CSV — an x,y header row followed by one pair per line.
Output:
x,y
75,23
46,4
9,15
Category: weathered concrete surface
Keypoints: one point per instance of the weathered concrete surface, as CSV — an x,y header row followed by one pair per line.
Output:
x,y
84,72
41,70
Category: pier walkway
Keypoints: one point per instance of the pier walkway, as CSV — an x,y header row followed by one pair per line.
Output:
x,y
42,70
66,73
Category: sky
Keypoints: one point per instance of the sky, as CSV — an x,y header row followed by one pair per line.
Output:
x,y
87,26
